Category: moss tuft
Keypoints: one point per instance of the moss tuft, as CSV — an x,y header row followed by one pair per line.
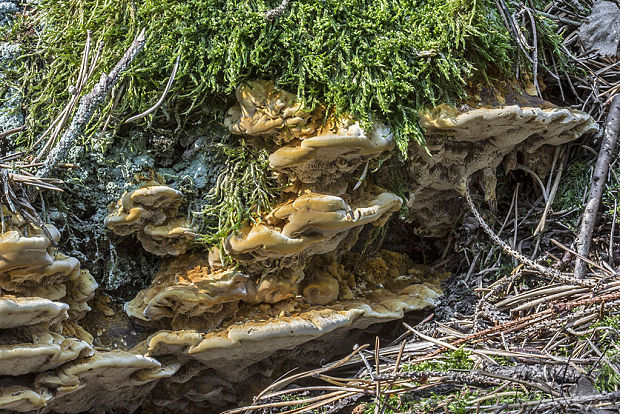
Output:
x,y
372,58
459,359
244,192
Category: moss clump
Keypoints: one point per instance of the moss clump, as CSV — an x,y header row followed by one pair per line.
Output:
x,y
573,186
607,378
572,189
459,359
371,58
244,192
456,403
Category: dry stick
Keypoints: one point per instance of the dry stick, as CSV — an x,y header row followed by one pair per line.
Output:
x,y
585,259
163,95
12,131
273,13
541,225
536,178
584,239
319,404
399,357
611,235
378,372
564,402
535,52
88,105
286,403
285,381
55,128
516,222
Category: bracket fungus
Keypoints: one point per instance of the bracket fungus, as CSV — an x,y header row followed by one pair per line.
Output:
x,y
192,295
31,267
22,245
47,350
18,312
236,354
309,151
321,290
88,383
29,336
42,292
153,213
334,151
200,295
469,144
313,224
21,399
275,287
264,109
60,280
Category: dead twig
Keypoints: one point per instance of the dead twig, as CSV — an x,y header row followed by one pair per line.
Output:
x,y
88,105
163,95
274,13
584,239
12,131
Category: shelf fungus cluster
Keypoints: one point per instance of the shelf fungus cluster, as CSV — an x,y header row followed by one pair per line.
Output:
x,y
47,360
152,212
290,286
43,294
313,218
467,145
310,224
301,285
30,266
308,151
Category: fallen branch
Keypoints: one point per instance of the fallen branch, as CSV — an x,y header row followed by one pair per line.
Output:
x,y
562,404
84,73
599,177
88,105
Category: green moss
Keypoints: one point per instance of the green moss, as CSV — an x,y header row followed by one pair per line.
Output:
x,y
612,191
245,190
575,182
407,404
607,379
611,321
503,361
459,359
394,401
518,398
457,401
371,58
